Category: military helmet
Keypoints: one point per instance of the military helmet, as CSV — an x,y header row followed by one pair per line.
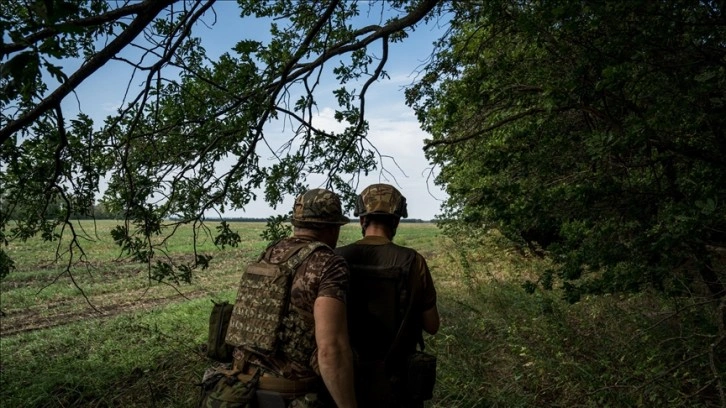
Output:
x,y
381,199
317,206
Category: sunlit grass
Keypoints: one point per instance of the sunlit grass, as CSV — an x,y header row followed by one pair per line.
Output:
x,y
498,346
92,361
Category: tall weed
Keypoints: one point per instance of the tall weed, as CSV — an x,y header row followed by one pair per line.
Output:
x,y
500,346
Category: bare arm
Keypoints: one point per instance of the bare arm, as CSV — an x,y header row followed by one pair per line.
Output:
x,y
431,320
429,317
334,354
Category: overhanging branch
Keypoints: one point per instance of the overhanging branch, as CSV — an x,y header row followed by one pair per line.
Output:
x,y
475,134
145,15
47,32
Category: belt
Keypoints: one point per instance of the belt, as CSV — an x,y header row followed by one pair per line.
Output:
x,y
284,386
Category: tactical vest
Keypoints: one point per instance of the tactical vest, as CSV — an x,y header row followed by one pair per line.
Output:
x,y
380,282
263,320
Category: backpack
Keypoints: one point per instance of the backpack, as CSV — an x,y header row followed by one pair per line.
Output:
x,y
384,331
379,299
217,348
263,300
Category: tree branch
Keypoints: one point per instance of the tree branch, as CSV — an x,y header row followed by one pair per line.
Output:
x,y
377,32
145,14
47,32
472,135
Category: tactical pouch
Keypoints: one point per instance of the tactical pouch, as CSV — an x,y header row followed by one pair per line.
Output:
x,y
421,376
217,349
224,391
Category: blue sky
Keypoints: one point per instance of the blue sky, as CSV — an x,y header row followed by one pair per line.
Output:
x,y
394,129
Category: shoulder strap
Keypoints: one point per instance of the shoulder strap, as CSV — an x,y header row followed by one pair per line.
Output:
x,y
264,254
297,254
405,321
291,260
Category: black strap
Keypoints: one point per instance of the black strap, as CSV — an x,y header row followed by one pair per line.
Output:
x,y
404,322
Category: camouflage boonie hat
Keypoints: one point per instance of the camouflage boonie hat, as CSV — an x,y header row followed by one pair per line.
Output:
x,y
318,206
381,199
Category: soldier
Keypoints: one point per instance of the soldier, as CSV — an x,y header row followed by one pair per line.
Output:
x,y
314,332
391,301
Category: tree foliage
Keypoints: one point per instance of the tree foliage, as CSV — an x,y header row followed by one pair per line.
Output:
x,y
594,132
191,140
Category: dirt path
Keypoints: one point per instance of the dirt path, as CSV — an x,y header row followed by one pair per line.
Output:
x,y
113,288
67,311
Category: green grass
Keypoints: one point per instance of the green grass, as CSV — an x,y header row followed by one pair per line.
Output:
x,y
498,346
103,363
502,347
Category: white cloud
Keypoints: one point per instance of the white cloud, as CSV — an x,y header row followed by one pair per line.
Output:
x,y
396,134
111,107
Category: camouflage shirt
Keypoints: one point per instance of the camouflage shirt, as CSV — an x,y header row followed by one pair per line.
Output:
x,y
322,274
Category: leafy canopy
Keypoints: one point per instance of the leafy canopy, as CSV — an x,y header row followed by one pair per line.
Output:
x,y
592,132
192,139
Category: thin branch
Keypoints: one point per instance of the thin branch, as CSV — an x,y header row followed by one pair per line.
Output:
x,y
169,51
306,123
377,32
47,32
145,15
473,135
361,96
58,165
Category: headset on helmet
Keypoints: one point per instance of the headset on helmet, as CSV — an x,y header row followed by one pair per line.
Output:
x,y
381,199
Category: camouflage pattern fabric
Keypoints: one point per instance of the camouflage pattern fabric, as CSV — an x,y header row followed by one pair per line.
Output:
x,y
262,299
257,312
307,401
321,274
381,199
297,337
318,206
223,391
217,348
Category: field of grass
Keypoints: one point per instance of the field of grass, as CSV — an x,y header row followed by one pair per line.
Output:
x,y
128,341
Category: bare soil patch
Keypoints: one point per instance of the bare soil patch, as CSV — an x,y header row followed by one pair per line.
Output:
x,y
68,311
111,302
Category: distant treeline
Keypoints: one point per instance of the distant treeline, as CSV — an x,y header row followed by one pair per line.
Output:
x,y
99,212
244,219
